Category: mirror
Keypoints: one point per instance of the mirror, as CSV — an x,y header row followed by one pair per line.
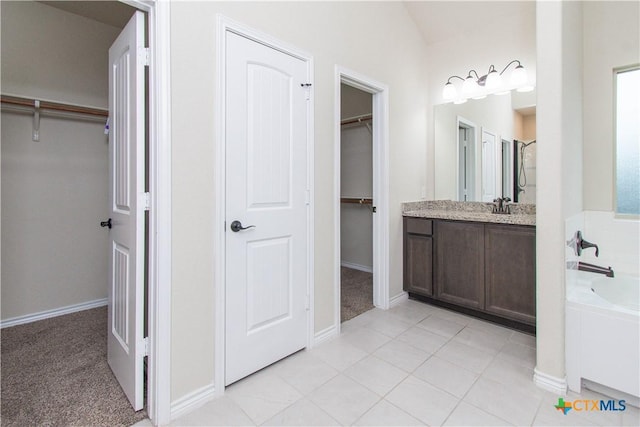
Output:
x,y
485,148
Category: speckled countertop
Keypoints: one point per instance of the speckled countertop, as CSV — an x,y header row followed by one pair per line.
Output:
x,y
521,213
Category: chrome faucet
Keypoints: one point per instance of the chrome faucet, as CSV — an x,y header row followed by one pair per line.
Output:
x,y
500,205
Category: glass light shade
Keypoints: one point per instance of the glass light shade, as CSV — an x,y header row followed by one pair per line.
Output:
x,y
519,76
469,86
525,89
460,101
493,80
449,92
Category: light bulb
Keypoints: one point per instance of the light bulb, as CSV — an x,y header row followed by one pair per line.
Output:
x,y
469,86
449,92
493,80
519,76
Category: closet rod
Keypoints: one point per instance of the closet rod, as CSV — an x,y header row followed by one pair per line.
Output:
x,y
357,119
57,106
360,201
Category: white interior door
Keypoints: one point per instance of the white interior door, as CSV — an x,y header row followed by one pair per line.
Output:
x,y
489,166
267,188
125,344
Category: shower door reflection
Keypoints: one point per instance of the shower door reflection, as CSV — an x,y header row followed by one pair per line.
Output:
x,y
524,189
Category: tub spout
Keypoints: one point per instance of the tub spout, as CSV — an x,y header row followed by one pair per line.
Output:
x,y
592,268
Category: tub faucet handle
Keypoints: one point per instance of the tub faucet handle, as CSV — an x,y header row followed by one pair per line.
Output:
x,y
577,243
584,245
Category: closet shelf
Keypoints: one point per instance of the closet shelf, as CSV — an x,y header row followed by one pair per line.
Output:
x,y
357,120
56,106
358,201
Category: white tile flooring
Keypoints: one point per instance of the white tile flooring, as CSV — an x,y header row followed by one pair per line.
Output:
x,y
414,364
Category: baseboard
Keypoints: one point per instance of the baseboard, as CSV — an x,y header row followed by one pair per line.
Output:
x,y
395,300
20,320
192,401
550,383
325,335
364,268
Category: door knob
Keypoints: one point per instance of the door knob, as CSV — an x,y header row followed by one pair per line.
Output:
x,y
106,223
237,226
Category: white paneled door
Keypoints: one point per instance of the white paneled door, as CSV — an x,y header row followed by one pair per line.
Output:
x,y
267,191
125,342
490,178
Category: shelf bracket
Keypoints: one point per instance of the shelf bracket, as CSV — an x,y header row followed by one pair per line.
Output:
x,y
36,121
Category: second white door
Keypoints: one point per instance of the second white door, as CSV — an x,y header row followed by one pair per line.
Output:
x,y
267,206
125,342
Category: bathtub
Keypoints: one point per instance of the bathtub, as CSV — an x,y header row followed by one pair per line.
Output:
x,y
603,332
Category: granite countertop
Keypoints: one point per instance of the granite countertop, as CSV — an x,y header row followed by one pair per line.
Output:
x,y
521,213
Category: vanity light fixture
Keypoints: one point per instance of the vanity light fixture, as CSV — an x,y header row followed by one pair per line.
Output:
x,y
477,87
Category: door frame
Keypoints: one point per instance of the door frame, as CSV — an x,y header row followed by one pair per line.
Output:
x,y
461,122
493,154
225,25
380,141
159,296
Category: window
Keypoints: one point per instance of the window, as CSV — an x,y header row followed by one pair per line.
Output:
x,y
627,117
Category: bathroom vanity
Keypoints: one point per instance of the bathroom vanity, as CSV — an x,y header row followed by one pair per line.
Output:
x,y
462,256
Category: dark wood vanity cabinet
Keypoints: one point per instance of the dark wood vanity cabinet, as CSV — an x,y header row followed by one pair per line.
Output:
x,y
510,272
418,250
488,268
459,263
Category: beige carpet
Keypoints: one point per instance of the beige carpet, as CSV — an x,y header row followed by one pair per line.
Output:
x,y
55,373
356,295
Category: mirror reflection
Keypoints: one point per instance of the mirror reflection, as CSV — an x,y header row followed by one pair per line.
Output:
x,y
485,148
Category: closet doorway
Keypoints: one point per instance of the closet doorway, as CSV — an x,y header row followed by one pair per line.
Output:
x,y
357,205
57,164
361,186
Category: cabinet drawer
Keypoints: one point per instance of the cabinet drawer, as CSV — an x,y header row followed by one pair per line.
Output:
x,y
419,226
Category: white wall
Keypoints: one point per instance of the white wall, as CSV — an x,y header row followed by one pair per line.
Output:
x,y
617,238
51,54
611,39
351,34
356,180
54,192
559,196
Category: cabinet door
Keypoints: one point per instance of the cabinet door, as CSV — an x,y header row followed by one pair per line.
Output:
x,y
418,256
460,263
510,272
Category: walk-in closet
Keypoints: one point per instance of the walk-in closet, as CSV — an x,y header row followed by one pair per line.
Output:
x,y
357,206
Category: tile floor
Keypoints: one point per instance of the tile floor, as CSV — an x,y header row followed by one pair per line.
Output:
x,y
414,364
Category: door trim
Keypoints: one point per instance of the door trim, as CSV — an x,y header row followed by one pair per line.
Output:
x,y
462,122
380,127
159,360
225,25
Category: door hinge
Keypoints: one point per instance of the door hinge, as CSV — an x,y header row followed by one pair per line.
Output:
x,y
145,346
307,88
145,56
146,200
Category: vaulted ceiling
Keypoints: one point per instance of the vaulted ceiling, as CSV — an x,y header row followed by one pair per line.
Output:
x,y
442,20
436,20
